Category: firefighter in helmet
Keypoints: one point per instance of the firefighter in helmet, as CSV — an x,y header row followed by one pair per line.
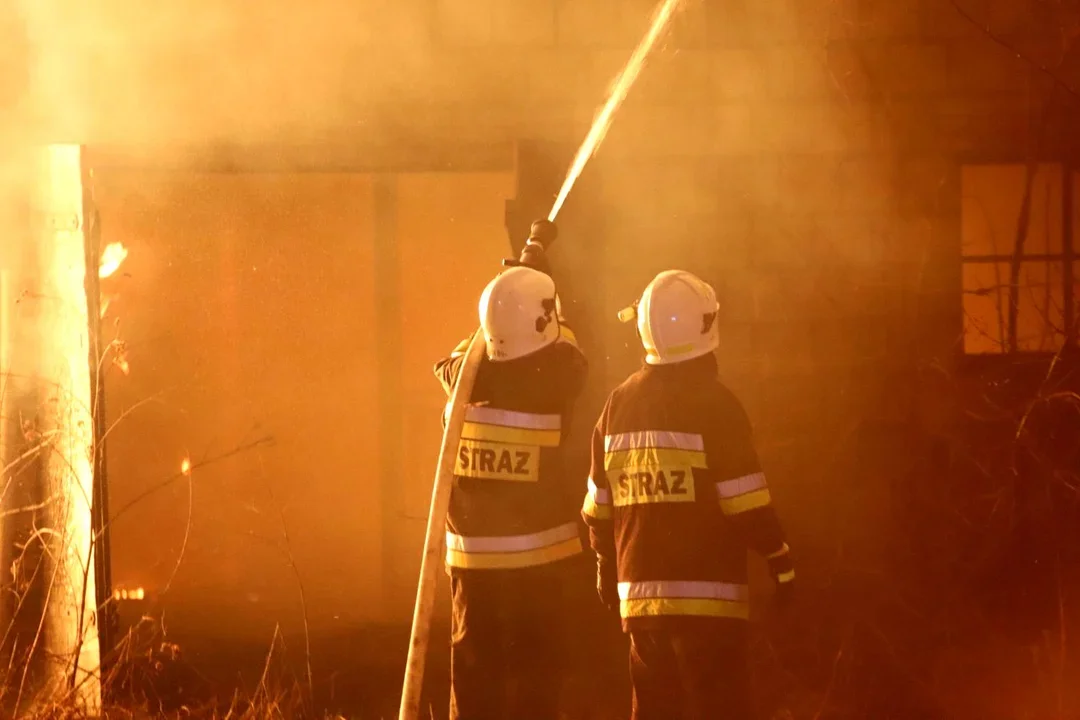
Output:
x,y
513,524
676,496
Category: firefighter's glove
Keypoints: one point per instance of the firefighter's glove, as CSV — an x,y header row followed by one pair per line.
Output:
x,y
542,236
607,585
544,233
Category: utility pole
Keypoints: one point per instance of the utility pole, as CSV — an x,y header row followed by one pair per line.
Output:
x,y
48,398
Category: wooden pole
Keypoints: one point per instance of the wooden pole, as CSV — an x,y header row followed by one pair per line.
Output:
x,y
436,528
47,376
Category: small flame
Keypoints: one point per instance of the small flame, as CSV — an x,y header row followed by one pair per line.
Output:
x,y
125,594
120,357
185,466
112,257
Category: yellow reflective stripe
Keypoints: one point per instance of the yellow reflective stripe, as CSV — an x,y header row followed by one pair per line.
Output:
x,y
701,589
673,350
781,552
652,607
510,560
512,418
741,485
653,439
567,335
595,510
512,543
746,502
646,458
786,576
602,495
597,502
515,435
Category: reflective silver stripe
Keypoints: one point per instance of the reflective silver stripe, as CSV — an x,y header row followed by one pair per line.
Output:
x,y
683,589
653,439
511,543
741,485
601,496
509,418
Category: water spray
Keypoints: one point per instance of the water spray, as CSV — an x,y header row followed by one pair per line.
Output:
x,y
440,492
619,89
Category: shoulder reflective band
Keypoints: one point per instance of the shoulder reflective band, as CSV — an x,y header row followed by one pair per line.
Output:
x,y
597,502
653,438
636,449
513,551
505,445
653,466
507,426
680,597
743,493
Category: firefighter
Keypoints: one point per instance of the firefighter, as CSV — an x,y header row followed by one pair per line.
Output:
x,y
513,525
675,498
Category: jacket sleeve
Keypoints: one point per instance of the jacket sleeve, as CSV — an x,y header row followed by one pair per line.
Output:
x,y
448,369
596,511
744,494
577,368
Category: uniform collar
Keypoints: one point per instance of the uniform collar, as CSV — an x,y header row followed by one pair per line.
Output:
x,y
699,367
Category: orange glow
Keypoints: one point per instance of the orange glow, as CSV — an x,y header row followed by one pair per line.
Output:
x,y
619,89
185,466
125,594
112,257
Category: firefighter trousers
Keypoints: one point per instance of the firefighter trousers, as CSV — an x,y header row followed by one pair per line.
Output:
x,y
691,673
506,643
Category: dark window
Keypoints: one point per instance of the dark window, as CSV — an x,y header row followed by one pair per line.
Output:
x,y
1040,279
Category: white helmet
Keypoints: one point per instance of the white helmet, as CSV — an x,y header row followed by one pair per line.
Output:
x,y
676,318
518,313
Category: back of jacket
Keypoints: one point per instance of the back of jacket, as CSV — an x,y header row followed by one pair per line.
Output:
x,y
513,504
676,496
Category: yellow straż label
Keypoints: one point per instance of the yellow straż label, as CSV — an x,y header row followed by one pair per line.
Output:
x,y
497,461
651,484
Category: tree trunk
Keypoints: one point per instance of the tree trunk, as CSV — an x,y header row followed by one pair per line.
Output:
x,y
49,423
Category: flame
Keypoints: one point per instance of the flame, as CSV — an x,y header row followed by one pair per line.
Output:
x,y
120,356
185,466
619,89
112,257
125,594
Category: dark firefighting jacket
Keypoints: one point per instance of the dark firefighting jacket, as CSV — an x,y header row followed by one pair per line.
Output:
x,y
676,496
513,503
